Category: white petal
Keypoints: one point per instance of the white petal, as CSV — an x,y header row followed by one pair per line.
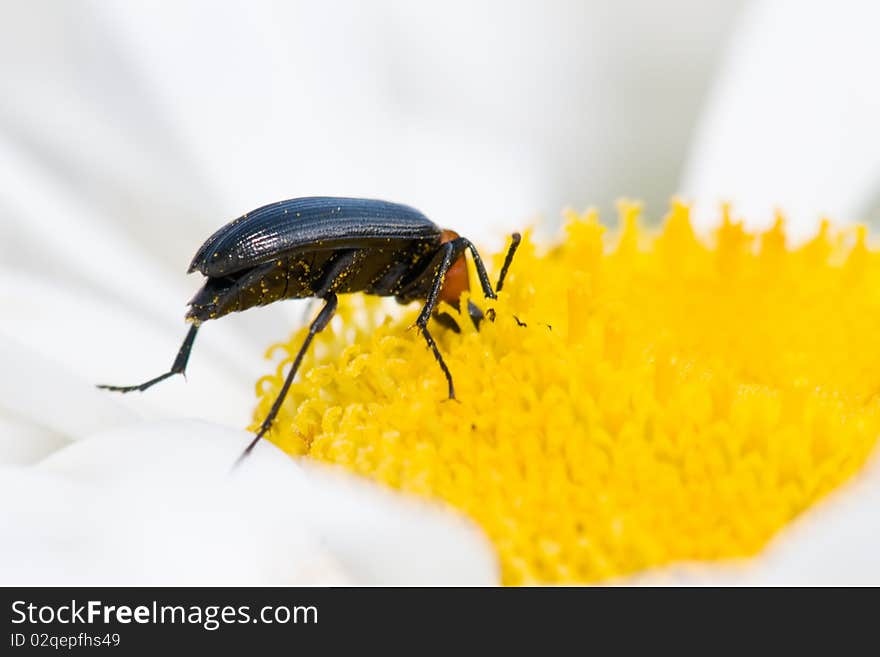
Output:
x,y
64,532
388,539
111,147
83,340
792,121
23,442
39,392
252,525
835,544
45,525
60,232
153,504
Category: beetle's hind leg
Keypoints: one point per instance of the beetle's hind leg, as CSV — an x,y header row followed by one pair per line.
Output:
x,y
177,367
318,324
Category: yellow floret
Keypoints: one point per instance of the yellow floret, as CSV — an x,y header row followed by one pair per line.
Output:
x,y
652,400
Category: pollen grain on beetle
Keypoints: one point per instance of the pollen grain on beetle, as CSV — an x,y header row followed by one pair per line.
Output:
x,y
691,399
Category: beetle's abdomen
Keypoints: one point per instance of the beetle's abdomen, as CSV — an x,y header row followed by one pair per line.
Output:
x,y
379,271
283,278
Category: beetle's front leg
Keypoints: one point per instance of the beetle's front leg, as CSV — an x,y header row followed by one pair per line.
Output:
x,y
488,292
515,239
476,314
177,367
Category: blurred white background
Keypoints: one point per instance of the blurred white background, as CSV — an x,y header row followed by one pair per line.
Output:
x,y
175,117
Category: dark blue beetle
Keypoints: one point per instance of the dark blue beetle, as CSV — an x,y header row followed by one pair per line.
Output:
x,y
324,246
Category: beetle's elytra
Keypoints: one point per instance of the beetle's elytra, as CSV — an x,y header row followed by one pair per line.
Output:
x,y
324,246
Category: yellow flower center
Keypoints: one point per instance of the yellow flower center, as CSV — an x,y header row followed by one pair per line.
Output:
x,y
632,405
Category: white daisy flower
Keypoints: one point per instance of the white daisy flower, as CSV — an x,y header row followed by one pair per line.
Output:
x,y
129,133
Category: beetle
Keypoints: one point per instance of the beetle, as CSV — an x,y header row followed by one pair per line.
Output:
x,y
321,247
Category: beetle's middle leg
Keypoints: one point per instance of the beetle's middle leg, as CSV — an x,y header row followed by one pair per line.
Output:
x,y
450,250
318,324
177,367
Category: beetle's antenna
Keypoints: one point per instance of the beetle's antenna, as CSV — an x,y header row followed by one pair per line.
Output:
x,y
514,245
178,367
318,324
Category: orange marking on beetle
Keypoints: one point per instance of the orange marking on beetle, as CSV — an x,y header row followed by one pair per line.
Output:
x,y
456,279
